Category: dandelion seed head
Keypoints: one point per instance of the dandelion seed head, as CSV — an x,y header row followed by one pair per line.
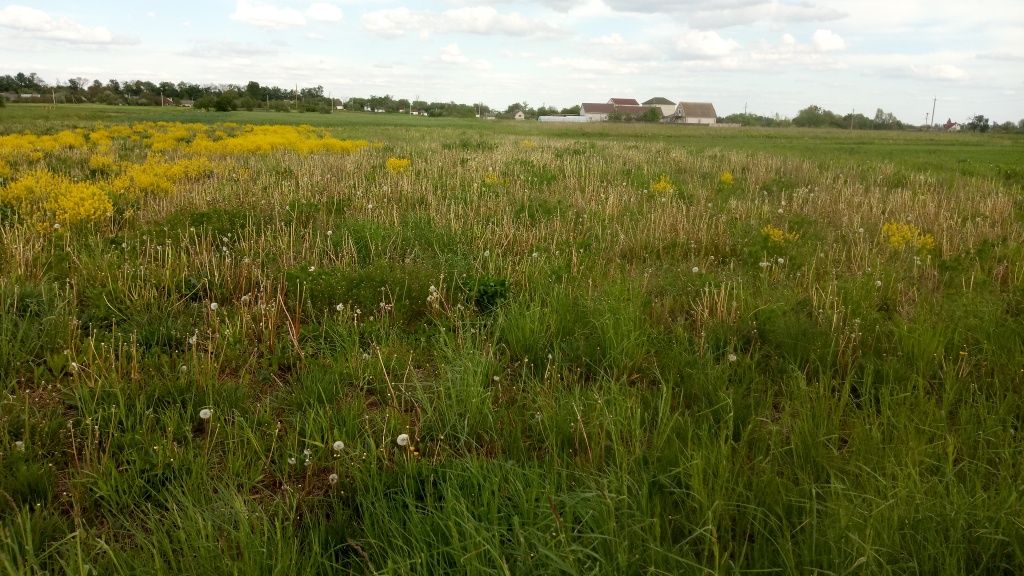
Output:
x,y
332,479
338,446
732,357
19,446
206,413
695,270
781,261
878,283
291,460
402,440
214,306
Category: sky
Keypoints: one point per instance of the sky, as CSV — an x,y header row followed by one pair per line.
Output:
x,y
764,56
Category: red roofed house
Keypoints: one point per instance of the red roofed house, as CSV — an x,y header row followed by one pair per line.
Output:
x,y
595,111
623,102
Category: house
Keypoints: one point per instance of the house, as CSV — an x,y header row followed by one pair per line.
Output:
x,y
596,112
695,113
520,115
186,103
951,126
623,102
668,107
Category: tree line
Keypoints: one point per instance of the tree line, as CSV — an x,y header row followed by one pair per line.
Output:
x,y
253,96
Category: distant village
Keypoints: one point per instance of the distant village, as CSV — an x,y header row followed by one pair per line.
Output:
x,y
628,109
252,96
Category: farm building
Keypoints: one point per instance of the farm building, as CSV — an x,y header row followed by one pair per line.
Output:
x,y
668,107
520,115
596,111
695,113
623,102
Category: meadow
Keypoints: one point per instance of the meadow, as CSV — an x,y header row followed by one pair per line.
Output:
x,y
262,343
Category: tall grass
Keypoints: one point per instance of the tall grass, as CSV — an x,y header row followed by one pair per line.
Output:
x,y
597,374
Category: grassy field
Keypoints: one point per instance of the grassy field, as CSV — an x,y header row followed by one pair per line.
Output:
x,y
416,346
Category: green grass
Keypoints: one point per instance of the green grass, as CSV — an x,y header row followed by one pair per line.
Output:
x,y
597,378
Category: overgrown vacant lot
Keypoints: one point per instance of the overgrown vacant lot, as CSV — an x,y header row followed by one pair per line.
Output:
x,y
412,347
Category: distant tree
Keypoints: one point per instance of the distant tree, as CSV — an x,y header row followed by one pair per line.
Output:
x,y
254,91
247,102
225,102
76,88
978,123
571,111
652,114
206,102
1020,125
280,106
813,117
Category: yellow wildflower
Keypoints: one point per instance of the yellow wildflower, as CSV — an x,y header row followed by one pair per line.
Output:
x,y
778,235
726,178
663,185
901,236
396,165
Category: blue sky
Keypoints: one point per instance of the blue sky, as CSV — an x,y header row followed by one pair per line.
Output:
x,y
772,56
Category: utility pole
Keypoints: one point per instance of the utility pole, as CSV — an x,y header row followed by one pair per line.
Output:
x,y
933,112
851,118
744,108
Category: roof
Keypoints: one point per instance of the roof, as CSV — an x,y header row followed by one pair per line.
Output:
x,y
624,101
659,101
697,110
596,108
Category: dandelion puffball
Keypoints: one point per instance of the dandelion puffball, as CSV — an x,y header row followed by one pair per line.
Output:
x,y
206,413
214,306
695,270
19,446
339,446
402,440
332,479
878,283
339,307
732,358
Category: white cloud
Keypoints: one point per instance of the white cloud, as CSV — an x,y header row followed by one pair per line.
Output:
x,y
452,54
35,23
704,44
827,41
323,12
266,15
938,72
483,20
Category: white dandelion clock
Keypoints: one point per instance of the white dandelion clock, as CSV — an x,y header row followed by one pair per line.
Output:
x,y
732,357
19,446
214,306
695,270
332,479
402,440
338,446
205,414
